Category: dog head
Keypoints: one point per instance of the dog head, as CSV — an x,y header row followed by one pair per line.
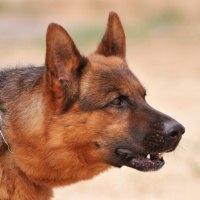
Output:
x,y
106,107
97,112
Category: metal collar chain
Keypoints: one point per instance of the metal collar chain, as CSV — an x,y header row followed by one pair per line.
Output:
x,y
1,135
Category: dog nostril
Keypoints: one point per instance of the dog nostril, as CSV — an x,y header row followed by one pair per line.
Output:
x,y
176,130
174,133
182,130
173,128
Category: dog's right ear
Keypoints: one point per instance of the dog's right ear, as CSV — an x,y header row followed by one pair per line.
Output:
x,y
62,65
62,56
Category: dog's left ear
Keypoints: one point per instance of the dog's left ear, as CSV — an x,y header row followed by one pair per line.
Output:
x,y
113,42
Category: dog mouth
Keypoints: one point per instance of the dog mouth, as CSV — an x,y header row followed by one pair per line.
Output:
x,y
141,162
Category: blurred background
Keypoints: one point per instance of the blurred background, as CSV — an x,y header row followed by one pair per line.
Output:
x,y
163,50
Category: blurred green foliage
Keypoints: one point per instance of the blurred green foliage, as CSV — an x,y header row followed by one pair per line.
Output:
x,y
162,22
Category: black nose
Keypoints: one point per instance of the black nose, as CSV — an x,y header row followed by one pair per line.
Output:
x,y
173,128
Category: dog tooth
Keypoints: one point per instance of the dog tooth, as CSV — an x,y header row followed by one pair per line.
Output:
x,y
160,155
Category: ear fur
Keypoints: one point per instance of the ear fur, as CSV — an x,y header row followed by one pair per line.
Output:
x,y
63,61
62,56
113,42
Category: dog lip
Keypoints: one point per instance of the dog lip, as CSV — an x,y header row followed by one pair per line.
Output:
x,y
146,164
123,152
140,161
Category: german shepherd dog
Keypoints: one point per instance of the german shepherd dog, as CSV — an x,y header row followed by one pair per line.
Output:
x,y
76,116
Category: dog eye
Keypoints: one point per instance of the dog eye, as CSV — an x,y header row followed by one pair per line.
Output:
x,y
118,102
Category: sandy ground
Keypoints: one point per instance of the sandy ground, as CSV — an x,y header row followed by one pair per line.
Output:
x,y
166,61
